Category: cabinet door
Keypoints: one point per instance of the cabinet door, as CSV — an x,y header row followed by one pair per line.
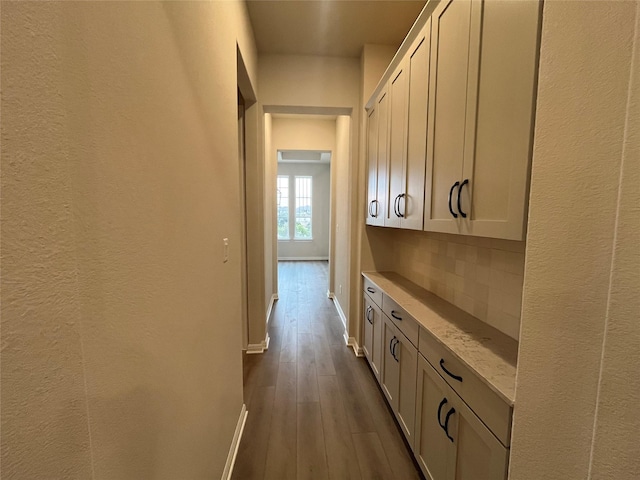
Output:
x,y
378,349
382,106
497,192
372,322
390,373
433,450
455,33
479,454
372,166
407,356
411,205
397,145
367,344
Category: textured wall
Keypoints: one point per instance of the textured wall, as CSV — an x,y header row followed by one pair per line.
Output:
x,y
581,123
120,323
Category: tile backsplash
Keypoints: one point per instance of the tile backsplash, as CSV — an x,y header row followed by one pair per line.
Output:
x,y
482,276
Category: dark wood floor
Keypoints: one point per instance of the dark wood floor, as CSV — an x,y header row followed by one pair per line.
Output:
x,y
315,410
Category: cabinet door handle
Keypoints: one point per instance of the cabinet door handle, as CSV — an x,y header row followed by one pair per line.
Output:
x,y
369,310
400,197
455,377
370,290
377,204
442,404
395,315
395,205
454,214
391,346
370,208
464,215
446,423
394,350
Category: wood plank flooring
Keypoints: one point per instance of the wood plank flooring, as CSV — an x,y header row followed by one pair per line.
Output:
x,y
315,409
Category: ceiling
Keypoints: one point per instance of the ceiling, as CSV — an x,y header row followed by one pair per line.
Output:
x,y
329,27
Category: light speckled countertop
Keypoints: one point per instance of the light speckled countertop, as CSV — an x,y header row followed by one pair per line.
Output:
x,y
488,352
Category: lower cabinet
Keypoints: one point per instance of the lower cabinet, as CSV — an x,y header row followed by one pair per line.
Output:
x,y
372,345
451,443
398,376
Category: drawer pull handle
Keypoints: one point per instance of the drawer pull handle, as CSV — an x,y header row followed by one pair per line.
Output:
x,y
395,315
370,290
369,310
393,350
464,215
442,404
455,377
446,423
453,214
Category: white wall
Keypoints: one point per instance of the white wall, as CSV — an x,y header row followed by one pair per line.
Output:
x,y
316,248
120,177
578,389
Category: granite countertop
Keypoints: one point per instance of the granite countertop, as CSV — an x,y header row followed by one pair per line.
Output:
x,y
488,352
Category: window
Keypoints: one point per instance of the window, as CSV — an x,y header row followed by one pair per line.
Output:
x,y
294,210
303,208
282,199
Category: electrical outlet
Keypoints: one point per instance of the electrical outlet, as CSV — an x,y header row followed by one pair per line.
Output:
x,y
340,289
225,248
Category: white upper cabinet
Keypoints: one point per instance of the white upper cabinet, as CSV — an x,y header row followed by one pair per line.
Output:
x,y
458,122
397,144
408,91
484,59
411,205
372,168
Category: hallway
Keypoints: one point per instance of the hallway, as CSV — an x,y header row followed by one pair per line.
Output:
x,y
315,410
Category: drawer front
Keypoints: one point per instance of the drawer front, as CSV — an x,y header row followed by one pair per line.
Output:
x,y
401,318
486,404
373,291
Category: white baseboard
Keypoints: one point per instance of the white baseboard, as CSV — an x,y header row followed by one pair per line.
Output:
x,y
253,348
235,444
303,259
343,317
353,343
273,300
261,347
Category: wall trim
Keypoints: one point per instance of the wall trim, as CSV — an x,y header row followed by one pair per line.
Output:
x,y
353,343
261,347
302,259
274,299
235,444
343,317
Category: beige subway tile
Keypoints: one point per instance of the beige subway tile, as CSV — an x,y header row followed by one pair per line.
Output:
x,y
466,303
471,254
498,259
512,282
514,263
451,249
450,264
495,301
480,310
483,275
470,270
484,256
484,242
459,270
481,292
496,279
512,304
